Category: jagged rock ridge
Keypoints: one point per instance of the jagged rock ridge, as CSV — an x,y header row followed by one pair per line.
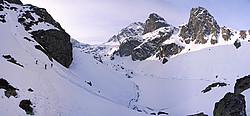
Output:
x,y
200,25
140,48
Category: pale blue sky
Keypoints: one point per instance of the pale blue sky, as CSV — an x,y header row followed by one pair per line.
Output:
x,y
95,21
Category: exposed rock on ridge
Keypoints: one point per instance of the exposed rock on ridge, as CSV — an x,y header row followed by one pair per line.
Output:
x,y
154,22
200,25
149,48
141,49
126,48
226,33
168,50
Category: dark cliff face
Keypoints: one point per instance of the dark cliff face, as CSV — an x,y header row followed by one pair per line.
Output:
x,y
154,22
56,43
201,24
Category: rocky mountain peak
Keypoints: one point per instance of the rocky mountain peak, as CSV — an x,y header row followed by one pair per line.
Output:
x,y
134,29
201,24
199,12
155,17
154,22
12,1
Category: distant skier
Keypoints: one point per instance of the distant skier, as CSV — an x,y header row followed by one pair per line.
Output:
x,y
45,66
51,65
36,61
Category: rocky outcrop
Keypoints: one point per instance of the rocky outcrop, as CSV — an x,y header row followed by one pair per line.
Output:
x,y
12,1
242,84
149,48
226,33
200,25
168,50
154,22
126,48
56,43
217,84
232,104
237,44
2,17
26,105
9,89
28,20
243,34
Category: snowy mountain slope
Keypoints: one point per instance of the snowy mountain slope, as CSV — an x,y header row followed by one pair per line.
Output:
x,y
56,89
176,86
106,79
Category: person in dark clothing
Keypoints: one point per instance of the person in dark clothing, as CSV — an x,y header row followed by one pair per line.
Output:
x,y
36,61
45,66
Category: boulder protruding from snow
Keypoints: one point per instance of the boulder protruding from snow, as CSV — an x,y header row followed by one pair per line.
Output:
x,y
26,106
237,44
201,24
232,104
154,22
242,84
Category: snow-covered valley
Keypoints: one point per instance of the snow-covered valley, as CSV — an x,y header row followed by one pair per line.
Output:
x,y
115,79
